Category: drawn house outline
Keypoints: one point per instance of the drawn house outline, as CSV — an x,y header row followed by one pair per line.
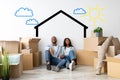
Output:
x,y
57,13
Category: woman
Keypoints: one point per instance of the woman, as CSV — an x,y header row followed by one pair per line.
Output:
x,y
68,53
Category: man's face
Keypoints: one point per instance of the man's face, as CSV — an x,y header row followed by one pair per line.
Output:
x,y
54,40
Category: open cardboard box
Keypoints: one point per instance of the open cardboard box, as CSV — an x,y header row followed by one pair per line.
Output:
x,y
30,43
113,67
11,46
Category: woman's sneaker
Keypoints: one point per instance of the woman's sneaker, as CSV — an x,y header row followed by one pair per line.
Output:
x,y
48,67
72,65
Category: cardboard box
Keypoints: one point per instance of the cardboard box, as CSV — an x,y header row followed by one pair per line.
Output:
x,y
37,59
26,51
113,67
94,34
91,44
104,68
30,43
86,57
11,46
28,61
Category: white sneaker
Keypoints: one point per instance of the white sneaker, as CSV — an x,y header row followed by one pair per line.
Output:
x,y
72,65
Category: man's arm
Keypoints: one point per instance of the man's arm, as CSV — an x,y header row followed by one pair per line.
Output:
x,y
51,51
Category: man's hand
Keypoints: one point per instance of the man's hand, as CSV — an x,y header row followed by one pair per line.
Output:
x,y
51,51
61,56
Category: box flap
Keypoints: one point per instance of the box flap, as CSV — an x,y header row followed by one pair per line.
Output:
x,y
112,59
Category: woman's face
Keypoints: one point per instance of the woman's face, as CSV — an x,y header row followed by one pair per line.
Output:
x,y
67,41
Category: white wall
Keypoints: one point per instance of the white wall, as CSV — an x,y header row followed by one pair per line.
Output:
x,y
12,27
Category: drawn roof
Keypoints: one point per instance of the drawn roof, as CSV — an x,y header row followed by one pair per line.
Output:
x,y
57,13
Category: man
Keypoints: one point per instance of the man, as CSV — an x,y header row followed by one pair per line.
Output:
x,y
52,55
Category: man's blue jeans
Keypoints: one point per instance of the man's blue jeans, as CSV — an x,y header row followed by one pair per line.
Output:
x,y
69,58
53,60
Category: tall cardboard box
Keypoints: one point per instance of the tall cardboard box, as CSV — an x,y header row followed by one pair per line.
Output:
x,y
28,61
113,67
91,44
85,57
104,68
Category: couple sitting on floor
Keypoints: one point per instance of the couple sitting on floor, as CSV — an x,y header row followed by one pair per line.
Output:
x,y
60,56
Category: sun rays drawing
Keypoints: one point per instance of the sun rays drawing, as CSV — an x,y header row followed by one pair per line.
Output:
x,y
95,14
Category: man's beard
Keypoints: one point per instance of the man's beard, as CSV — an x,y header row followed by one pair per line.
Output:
x,y
54,42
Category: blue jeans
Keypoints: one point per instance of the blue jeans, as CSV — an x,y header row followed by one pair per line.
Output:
x,y
53,60
69,58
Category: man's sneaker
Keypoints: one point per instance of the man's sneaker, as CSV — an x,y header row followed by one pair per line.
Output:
x,y
48,67
57,69
72,65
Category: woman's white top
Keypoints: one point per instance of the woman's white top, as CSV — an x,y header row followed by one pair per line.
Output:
x,y
66,50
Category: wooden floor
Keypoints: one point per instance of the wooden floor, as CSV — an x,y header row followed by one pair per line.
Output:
x,y
80,73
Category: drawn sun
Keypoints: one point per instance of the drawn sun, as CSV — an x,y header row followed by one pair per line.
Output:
x,y
95,14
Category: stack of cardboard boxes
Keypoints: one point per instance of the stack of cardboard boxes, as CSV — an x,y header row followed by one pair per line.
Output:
x,y
87,55
31,54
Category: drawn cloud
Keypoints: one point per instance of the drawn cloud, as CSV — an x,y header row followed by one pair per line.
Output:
x,y
79,11
32,22
24,12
